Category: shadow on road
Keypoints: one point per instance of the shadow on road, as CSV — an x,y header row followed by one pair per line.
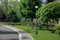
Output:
x,y
9,39
8,35
8,32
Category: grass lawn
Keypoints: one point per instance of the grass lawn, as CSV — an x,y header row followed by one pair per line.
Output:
x,y
43,34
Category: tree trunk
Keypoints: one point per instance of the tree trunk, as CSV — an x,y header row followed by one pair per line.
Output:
x,y
53,21
32,23
57,20
25,21
47,26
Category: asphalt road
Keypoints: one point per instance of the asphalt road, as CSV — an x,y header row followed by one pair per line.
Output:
x,y
7,34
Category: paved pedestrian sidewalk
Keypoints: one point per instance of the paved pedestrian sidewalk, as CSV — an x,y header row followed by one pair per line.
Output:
x,y
23,35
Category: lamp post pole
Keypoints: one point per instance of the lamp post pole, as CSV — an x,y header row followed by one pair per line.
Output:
x,y
36,21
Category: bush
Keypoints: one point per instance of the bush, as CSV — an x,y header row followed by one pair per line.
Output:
x,y
57,27
12,15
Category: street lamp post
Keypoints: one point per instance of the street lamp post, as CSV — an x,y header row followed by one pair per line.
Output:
x,y
36,21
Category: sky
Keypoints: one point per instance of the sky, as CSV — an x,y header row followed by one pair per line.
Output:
x,y
13,0
43,0
18,0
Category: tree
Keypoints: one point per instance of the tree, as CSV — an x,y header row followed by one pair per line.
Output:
x,y
27,8
12,15
13,11
2,10
7,5
50,11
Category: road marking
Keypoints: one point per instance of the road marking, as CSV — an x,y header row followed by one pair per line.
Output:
x,y
14,29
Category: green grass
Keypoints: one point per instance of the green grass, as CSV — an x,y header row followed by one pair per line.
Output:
x,y
43,34
6,23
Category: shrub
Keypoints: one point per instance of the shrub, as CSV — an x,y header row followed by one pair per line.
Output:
x,y
57,27
12,15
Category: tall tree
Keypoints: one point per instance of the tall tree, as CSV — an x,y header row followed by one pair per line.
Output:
x,y
50,11
3,7
27,8
13,12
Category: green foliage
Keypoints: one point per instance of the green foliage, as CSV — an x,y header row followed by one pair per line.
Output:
x,y
57,26
27,7
12,15
49,11
6,9
0,10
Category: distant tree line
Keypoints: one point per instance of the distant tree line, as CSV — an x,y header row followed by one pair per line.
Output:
x,y
13,11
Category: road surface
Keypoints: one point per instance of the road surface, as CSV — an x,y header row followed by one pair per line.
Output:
x,y
7,34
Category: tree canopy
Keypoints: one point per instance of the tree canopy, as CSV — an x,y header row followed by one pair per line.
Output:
x,y
49,12
7,6
12,15
27,7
